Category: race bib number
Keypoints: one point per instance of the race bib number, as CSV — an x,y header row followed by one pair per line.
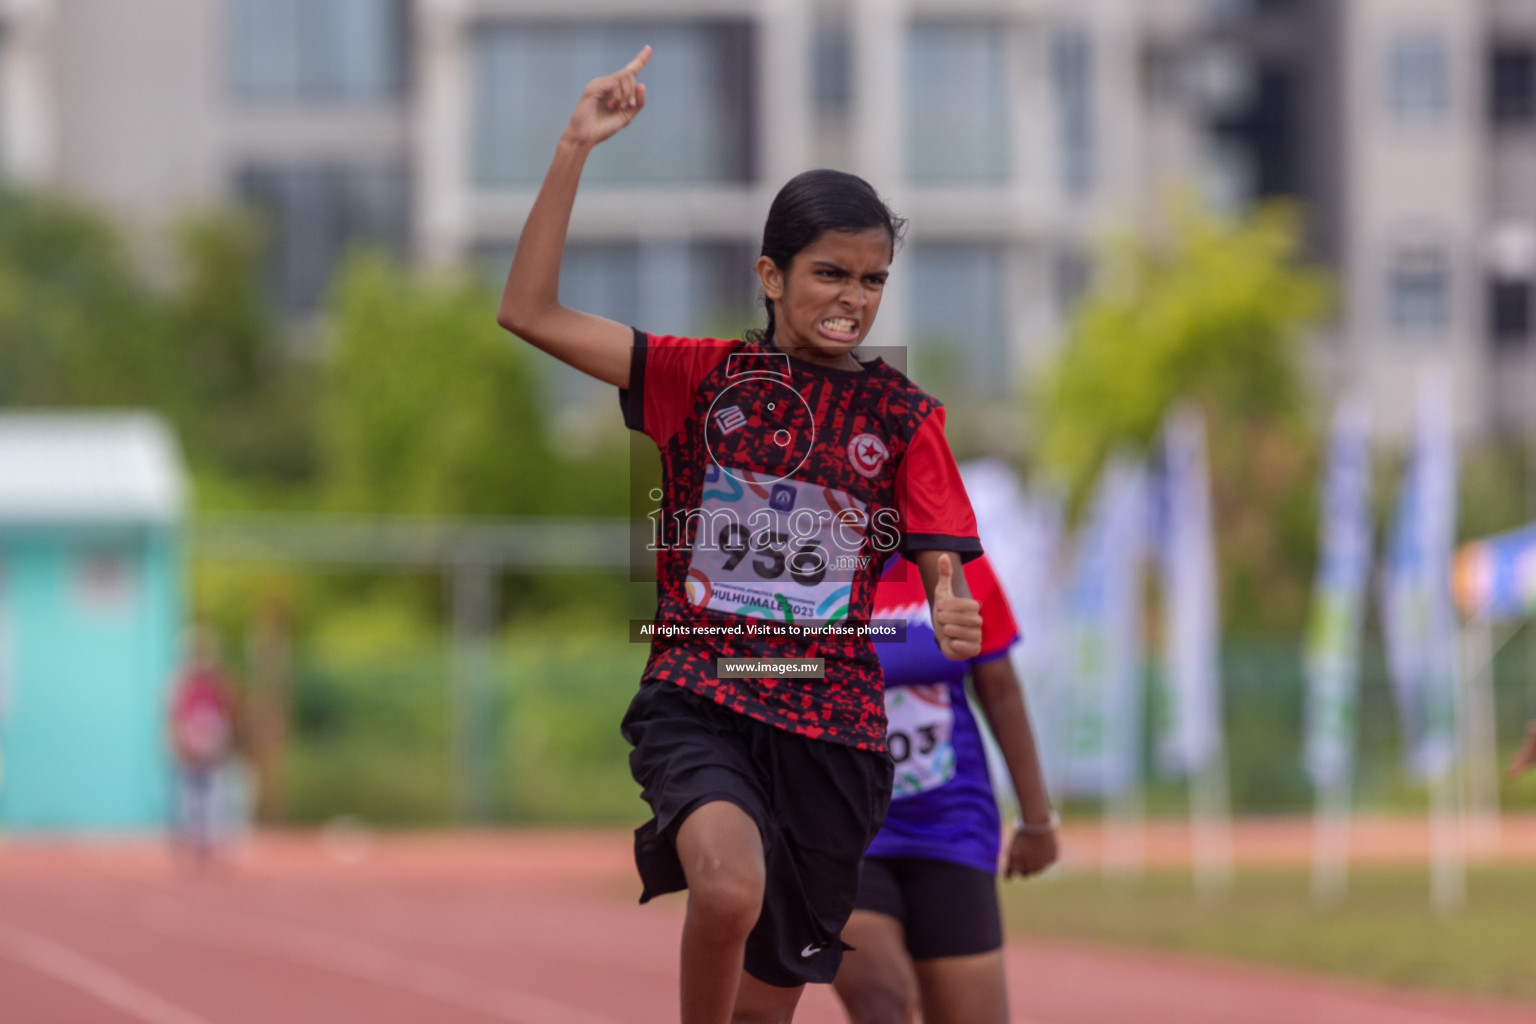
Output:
x,y
919,734
779,549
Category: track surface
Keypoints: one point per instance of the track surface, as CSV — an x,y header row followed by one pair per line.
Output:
x,y
534,928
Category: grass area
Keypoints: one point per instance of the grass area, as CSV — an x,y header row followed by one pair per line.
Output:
x,y
1383,932
563,759
369,738
370,732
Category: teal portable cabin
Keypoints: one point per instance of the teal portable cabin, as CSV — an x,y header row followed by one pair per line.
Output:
x,y
90,619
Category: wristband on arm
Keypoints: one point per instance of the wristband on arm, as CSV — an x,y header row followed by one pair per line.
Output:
x,y
1043,828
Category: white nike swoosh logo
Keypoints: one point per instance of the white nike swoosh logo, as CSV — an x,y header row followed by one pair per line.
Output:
x,y
811,950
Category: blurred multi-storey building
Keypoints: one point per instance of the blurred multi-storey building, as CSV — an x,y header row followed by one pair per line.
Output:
x,y
1409,129
1014,133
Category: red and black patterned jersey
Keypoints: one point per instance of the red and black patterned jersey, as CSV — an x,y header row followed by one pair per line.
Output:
x,y
786,487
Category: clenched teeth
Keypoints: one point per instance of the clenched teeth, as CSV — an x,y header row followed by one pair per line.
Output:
x,y
842,325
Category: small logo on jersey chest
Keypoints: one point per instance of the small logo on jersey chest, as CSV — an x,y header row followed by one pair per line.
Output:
x,y
730,419
867,453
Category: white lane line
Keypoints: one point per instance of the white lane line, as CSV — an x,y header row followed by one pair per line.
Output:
x,y
48,957
311,947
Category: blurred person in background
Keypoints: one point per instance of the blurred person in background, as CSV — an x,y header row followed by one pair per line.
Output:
x,y
926,929
202,731
1525,757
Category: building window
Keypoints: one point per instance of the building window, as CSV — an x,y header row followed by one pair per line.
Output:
x,y
1419,79
957,99
1510,311
667,286
1072,275
1419,290
1072,70
308,51
315,213
1228,177
605,279
698,121
832,87
1512,86
957,318
1227,10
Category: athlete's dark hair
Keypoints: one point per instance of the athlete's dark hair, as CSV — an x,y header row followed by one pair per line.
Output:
x,y
808,206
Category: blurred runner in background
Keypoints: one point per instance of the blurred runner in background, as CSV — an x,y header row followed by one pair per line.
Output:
x,y
926,930
1525,757
202,728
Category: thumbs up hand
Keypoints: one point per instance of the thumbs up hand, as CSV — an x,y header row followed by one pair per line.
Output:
x,y
956,616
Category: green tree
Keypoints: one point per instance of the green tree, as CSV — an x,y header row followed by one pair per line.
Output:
x,y
80,326
429,407
77,327
250,397
1215,311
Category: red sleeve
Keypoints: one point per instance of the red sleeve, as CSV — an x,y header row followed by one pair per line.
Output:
x,y
664,378
930,499
998,630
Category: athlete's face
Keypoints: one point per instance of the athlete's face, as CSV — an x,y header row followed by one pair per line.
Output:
x,y
825,303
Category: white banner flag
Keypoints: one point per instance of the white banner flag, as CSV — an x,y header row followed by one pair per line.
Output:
x,y
1192,741
1332,660
1105,656
1038,606
1420,626
1021,534
1417,614
1192,736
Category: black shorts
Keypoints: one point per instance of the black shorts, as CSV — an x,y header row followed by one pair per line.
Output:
x,y
817,806
945,909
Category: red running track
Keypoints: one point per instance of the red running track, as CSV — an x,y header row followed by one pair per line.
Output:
x,y
534,929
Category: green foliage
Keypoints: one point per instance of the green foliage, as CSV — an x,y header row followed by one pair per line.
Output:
x,y
429,407
370,714
78,326
250,401
370,705
83,328
370,737
1214,313
1496,491
564,758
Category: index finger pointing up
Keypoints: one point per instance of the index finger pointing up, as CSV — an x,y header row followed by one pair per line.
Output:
x,y
641,58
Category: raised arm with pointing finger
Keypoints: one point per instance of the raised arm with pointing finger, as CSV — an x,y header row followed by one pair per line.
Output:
x,y
530,303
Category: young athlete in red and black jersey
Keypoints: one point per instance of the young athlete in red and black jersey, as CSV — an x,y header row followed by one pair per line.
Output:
x,y
792,472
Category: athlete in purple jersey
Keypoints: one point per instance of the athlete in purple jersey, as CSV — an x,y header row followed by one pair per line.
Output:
x,y
926,928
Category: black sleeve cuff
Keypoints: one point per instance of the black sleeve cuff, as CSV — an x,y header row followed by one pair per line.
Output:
x,y
968,548
632,398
